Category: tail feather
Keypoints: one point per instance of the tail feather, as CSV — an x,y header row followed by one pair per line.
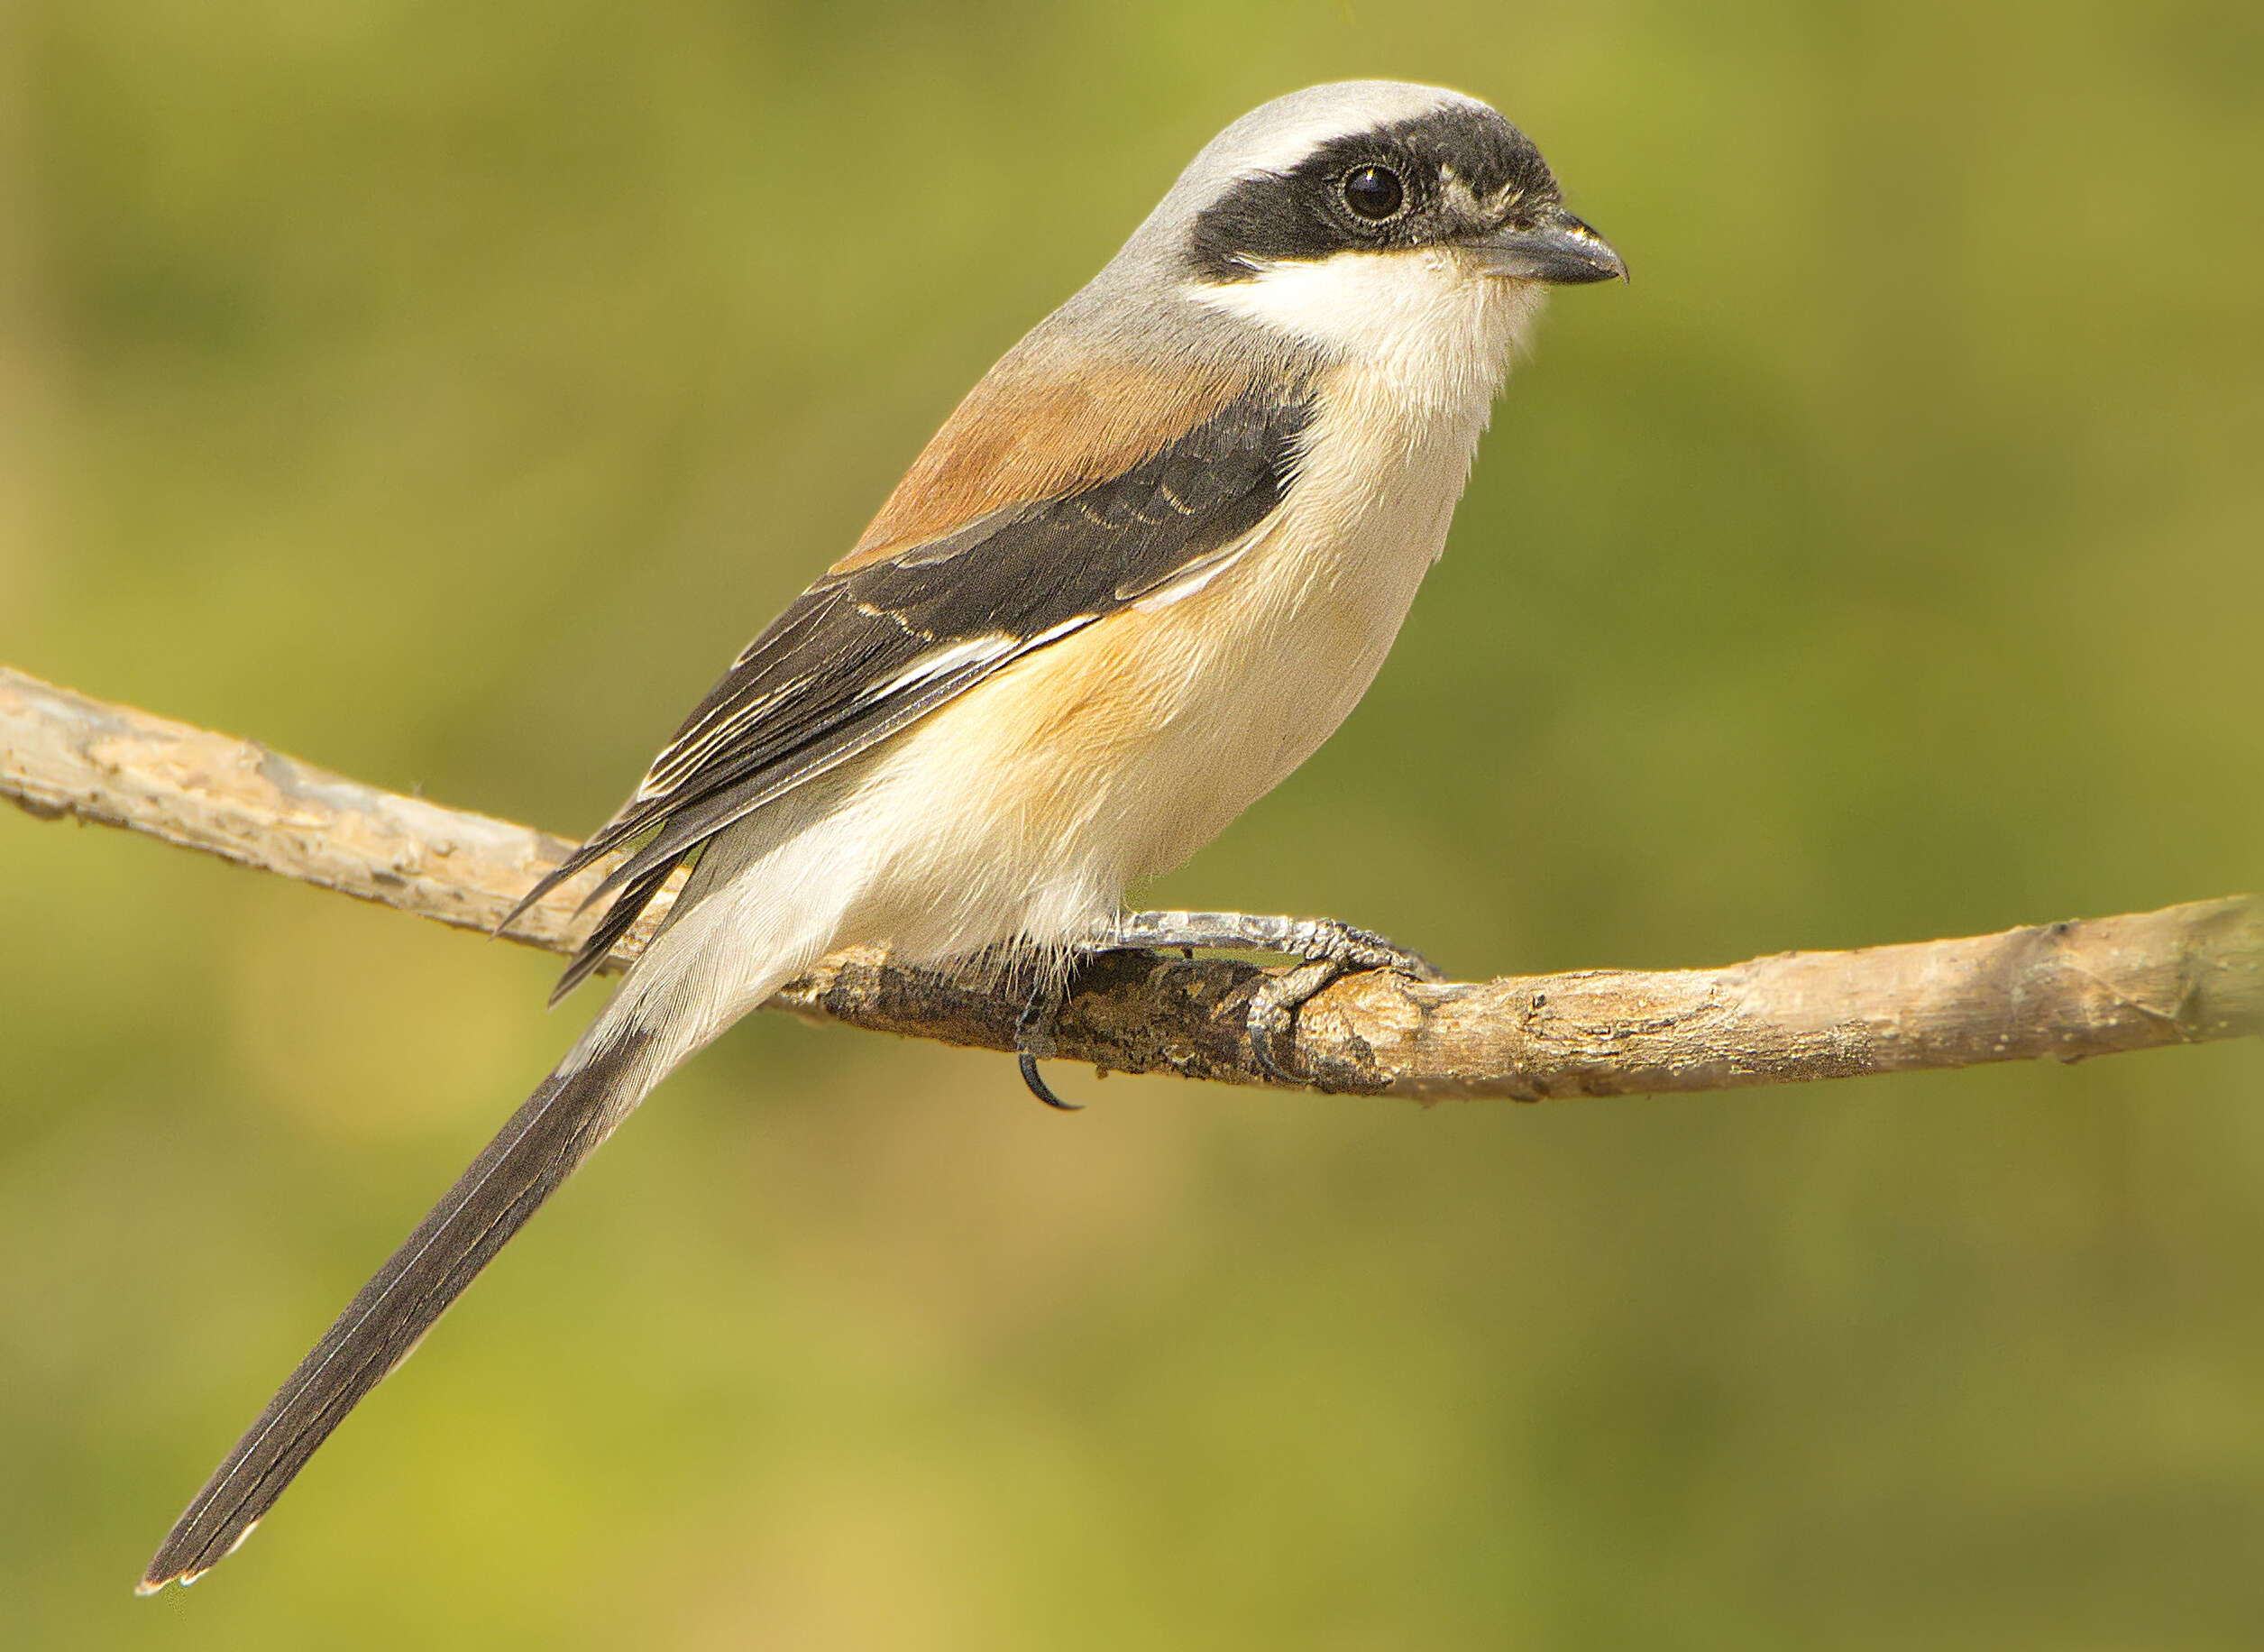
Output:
x,y
559,1125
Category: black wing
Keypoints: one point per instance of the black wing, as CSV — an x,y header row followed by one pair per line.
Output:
x,y
862,655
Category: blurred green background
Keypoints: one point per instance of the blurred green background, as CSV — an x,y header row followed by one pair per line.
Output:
x,y
444,393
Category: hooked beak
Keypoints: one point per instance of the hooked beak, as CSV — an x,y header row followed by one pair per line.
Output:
x,y
1550,246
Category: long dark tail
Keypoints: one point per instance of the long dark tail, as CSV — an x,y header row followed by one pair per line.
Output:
x,y
558,1128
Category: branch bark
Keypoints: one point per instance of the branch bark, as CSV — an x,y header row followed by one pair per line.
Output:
x,y
2062,992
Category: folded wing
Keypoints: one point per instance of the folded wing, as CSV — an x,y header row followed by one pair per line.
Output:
x,y
884,639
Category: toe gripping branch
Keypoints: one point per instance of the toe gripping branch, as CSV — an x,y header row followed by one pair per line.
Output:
x,y
1326,949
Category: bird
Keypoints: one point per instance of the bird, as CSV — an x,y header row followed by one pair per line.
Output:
x,y
1149,564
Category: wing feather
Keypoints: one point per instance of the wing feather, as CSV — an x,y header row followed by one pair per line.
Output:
x,y
873,647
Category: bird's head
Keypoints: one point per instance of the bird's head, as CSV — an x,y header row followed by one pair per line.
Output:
x,y
1358,216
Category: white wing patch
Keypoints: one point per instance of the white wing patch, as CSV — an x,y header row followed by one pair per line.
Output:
x,y
1195,578
950,657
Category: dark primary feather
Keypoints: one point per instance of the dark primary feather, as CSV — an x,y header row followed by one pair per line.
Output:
x,y
833,675
537,1151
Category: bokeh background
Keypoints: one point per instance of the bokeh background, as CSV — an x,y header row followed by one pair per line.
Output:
x,y
443,393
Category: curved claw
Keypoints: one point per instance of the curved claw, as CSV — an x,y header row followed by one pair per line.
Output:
x,y
1029,1075
1273,1009
1033,1036
1267,1023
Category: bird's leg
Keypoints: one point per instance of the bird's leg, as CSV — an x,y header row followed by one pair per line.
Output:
x,y
1329,949
1311,939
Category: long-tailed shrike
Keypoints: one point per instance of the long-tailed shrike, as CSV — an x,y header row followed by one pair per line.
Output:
x,y
1141,572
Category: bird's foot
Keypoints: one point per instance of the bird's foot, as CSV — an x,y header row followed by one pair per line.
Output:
x,y
1329,947
1326,949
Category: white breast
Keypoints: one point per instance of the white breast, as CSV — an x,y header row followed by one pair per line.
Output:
x,y
1315,602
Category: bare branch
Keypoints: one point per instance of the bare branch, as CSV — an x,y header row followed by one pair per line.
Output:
x,y
2062,992
63,753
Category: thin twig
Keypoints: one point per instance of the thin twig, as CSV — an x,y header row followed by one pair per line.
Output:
x,y
2062,992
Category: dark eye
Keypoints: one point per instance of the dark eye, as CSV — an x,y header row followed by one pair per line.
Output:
x,y
1374,192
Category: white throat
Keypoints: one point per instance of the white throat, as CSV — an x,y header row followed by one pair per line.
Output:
x,y
1428,323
